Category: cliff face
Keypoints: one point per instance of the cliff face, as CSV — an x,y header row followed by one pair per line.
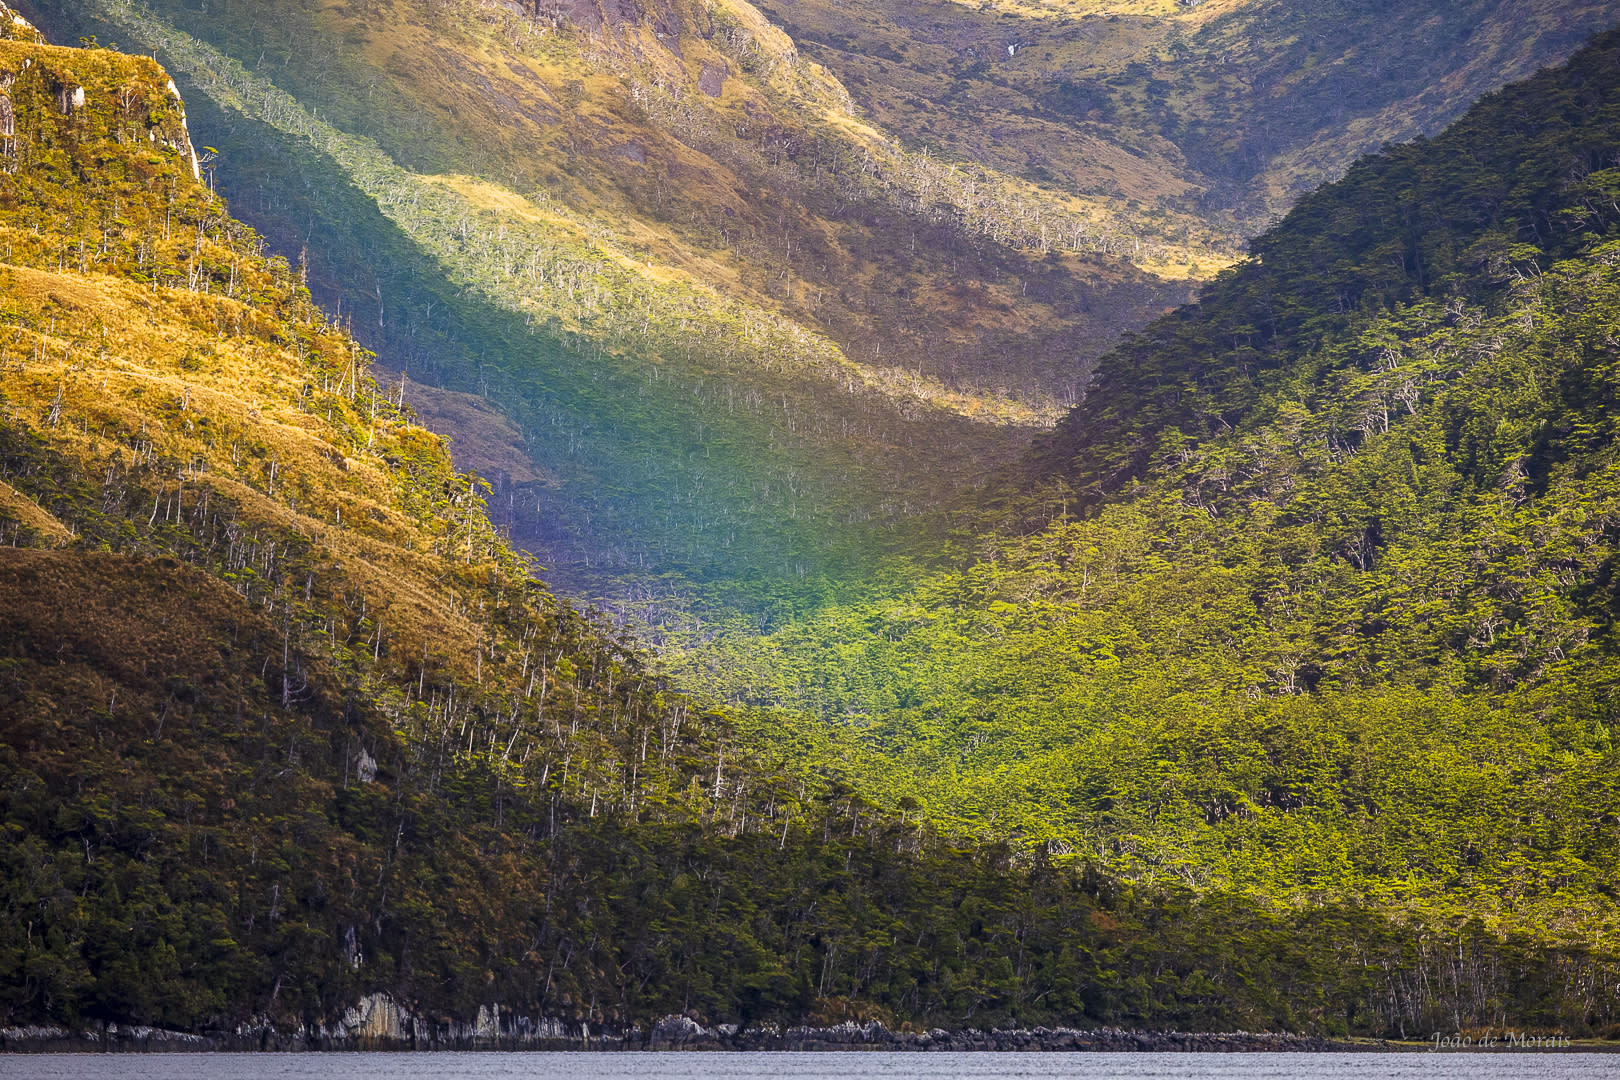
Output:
x,y
44,89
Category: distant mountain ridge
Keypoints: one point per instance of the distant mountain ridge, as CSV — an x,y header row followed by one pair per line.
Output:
x,y
1225,111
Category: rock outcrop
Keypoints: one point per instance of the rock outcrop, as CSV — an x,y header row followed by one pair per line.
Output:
x,y
378,1022
13,27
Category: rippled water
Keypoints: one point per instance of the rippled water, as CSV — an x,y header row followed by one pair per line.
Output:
x,y
1498,1065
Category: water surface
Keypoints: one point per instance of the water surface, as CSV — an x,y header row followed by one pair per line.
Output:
x,y
1496,1065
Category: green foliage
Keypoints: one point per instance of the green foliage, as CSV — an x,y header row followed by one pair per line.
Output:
x,y
1460,219
1337,621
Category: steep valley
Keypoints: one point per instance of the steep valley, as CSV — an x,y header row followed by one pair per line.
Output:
x,y
1032,646
612,312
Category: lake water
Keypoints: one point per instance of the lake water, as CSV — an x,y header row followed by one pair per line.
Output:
x,y
1498,1065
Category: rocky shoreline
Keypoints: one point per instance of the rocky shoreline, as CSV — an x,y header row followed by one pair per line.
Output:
x,y
394,1029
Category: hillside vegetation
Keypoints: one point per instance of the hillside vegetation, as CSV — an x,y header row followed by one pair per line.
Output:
x,y
743,336
1314,598
272,670
1302,720
285,722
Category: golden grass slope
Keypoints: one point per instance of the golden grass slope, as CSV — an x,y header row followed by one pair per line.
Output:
x,y
716,158
165,384
151,347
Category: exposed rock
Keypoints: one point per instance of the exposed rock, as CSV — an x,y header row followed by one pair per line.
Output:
x,y
582,14
14,27
679,1031
621,12
667,26
33,1033
184,144
379,1022
712,79
45,1039
377,1016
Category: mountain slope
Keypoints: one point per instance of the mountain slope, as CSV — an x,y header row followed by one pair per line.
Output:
x,y
286,722
1222,112
275,622
746,335
1323,607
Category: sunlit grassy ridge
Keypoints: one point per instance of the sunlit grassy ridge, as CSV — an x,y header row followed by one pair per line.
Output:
x,y
155,359
638,336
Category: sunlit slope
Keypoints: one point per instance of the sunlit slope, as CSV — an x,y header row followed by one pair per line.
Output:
x,y
1315,597
285,723
742,334
1219,113
173,398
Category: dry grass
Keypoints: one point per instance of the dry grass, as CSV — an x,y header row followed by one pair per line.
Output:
x,y
31,515
225,406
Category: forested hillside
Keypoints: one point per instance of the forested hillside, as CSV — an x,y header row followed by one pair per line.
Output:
x,y
1314,597
272,684
1300,719
284,722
